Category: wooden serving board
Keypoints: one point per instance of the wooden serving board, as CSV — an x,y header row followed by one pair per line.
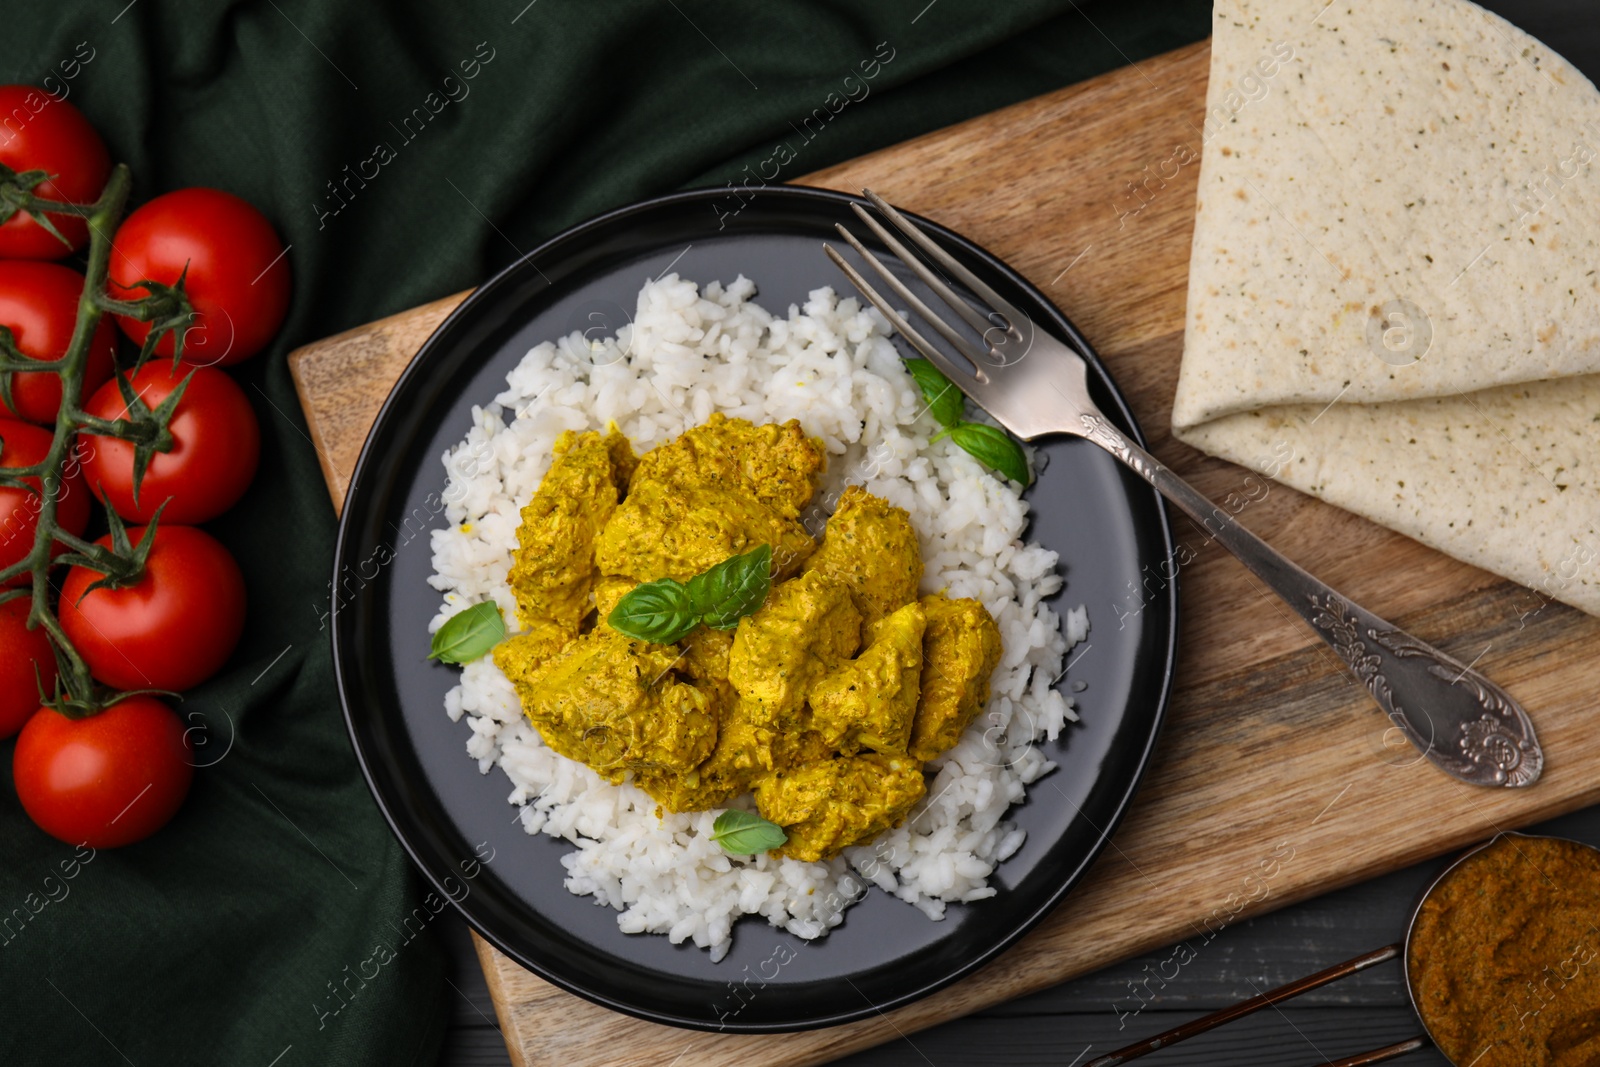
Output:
x,y
1276,779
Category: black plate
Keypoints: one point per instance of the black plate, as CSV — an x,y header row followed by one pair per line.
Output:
x,y
1109,528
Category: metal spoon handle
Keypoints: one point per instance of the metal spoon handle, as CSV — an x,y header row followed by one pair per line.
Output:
x,y
1461,721
1249,1007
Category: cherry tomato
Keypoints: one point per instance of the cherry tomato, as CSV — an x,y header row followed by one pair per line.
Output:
x,y
43,133
173,628
106,780
238,280
22,445
39,302
216,444
21,651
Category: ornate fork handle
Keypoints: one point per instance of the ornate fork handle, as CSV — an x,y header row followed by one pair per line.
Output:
x,y
1459,720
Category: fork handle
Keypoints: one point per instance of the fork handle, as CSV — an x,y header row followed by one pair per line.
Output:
x,y
1455,717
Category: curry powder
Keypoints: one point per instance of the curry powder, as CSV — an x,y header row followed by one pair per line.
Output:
x,y
1504,956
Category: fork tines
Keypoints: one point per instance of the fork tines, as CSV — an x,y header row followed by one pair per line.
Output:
x,y
1000,324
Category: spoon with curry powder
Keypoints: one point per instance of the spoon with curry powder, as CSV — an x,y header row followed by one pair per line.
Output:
x,y
1501,957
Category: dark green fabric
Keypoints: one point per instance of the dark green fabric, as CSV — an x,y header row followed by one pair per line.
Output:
x,y
232,936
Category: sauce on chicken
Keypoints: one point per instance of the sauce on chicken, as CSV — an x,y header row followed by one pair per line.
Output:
x,y
825,702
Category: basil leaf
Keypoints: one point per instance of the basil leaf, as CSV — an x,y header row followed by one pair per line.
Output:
x,y
744,833
469,634
944,399
994,448
658,611
734,588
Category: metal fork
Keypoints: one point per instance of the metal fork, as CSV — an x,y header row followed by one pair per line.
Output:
x,y
1036,385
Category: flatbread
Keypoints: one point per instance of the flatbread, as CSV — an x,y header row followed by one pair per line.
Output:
x,y
1394,293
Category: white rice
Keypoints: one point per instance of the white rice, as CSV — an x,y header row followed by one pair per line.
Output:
x,y
831,366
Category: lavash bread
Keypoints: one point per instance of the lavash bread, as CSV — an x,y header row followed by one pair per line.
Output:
x,y
1384,181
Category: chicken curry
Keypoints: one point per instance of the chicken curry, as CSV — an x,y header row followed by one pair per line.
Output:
x,y
824,702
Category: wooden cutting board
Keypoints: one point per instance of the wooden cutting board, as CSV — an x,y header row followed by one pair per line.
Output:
x,y
1276,779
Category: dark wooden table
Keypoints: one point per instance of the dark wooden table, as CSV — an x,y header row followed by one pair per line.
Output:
x,y
1103,1011
1052,1027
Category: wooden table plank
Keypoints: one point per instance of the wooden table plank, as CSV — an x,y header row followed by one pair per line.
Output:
x,y
343,380
1274,781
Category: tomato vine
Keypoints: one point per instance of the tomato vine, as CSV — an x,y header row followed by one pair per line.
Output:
x,y
168,309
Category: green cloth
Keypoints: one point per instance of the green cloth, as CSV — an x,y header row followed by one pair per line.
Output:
x,y
231,936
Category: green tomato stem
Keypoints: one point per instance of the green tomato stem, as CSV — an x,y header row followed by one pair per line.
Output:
x,y
137,309
58,207
103,427
102,218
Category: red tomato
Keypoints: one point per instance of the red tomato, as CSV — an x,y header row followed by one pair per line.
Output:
x,y
39,302
216,444
173,628
43,133
106,780
23,445
21,650
238,278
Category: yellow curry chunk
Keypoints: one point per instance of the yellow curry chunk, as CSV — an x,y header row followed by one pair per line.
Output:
x,y
665,530
609,589
777,463
870,702
960,650
618,705
870,546
521,655
715,491
806,628
828,805
705,656
733,765
554,568
732,768
802,747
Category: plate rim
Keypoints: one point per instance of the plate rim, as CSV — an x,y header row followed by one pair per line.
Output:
x,y
1122,415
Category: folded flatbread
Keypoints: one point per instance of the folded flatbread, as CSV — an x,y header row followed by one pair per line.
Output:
x,y
1394,293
